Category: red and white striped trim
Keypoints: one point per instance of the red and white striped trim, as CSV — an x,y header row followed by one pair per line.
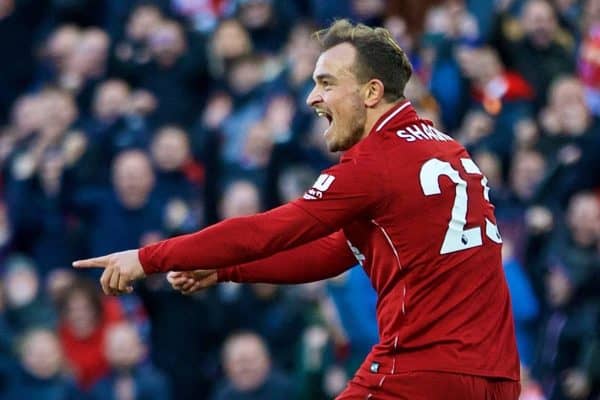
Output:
x,y
392,115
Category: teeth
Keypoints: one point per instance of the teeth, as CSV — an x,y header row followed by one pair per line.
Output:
x,y
323,114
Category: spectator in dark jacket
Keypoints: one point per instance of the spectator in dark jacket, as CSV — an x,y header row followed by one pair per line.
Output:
x,y
179,180
19,21
129,214
538,38
565,361
40,374
129,377
26,304
176,74
249,373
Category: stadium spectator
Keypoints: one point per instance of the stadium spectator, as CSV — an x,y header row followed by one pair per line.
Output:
x,y
264,21
569,137
132,52
19,24
537,37
179,180
40,373
277,317
129,212
240,198
129,377
566,357
355,203
249,371
230,40
26,305
66,112
84,319
176,74
37,209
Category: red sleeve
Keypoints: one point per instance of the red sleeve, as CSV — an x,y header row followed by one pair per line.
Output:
x,y
322,259
343,193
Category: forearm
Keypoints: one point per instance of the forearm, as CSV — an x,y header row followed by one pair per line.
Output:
x,y
315,261
235,241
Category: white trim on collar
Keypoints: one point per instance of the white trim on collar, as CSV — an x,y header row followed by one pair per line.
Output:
x,y
392,115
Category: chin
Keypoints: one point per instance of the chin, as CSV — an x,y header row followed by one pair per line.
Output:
x,y
334,147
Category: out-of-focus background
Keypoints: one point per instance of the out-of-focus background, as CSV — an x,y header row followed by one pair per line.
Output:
x,y
123,122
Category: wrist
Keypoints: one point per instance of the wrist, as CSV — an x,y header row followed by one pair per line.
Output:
x,y
145,259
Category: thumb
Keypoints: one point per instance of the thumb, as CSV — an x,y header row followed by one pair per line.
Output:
x,y
97,262
176,277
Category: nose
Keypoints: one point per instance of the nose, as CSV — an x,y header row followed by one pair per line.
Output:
x,y
314,97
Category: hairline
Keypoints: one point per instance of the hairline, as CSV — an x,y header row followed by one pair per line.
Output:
x,y
354,66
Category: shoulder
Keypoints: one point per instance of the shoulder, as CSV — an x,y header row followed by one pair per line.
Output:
x,y
367,155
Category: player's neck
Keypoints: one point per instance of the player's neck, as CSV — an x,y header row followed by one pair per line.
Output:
x,y
375,113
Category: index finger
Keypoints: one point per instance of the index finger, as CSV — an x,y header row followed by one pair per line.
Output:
x,y
96,262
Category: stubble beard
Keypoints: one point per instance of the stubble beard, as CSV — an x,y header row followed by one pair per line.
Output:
x,y
344,138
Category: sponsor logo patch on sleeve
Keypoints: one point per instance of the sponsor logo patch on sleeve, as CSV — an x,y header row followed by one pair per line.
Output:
x,y
322,183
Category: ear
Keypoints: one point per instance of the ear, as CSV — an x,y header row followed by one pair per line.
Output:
x,y
374,90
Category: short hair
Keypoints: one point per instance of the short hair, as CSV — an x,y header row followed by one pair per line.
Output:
x,y
378,55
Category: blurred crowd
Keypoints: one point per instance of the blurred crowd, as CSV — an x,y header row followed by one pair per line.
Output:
x,y
123,122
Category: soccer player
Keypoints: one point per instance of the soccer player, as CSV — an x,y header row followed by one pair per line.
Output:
x,y
407,202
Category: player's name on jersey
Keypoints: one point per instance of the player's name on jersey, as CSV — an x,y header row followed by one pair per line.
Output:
x,y
423,131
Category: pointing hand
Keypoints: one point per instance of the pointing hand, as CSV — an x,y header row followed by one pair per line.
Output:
x,y
120,270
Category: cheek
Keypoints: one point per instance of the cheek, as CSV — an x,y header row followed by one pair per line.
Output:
x,y
345,105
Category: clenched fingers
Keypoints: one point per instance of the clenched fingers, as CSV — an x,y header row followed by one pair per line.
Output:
x,y
105,280
113,282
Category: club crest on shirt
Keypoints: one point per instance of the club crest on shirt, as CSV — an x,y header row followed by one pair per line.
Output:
x,y
322,183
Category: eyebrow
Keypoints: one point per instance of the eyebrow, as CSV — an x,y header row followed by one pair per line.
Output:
x,y
321,77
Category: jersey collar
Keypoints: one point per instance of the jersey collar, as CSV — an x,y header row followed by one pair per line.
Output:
x,y
400,114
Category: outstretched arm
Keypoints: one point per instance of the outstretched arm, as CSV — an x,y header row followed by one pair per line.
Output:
x,y
337,198
321,259
235,241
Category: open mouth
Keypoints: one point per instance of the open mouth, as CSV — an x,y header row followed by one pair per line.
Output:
x,y
325,114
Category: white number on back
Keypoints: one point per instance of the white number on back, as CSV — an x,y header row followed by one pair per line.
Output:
x,y
457,237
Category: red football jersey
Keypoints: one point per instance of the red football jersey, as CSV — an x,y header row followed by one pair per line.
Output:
x,y
410,205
